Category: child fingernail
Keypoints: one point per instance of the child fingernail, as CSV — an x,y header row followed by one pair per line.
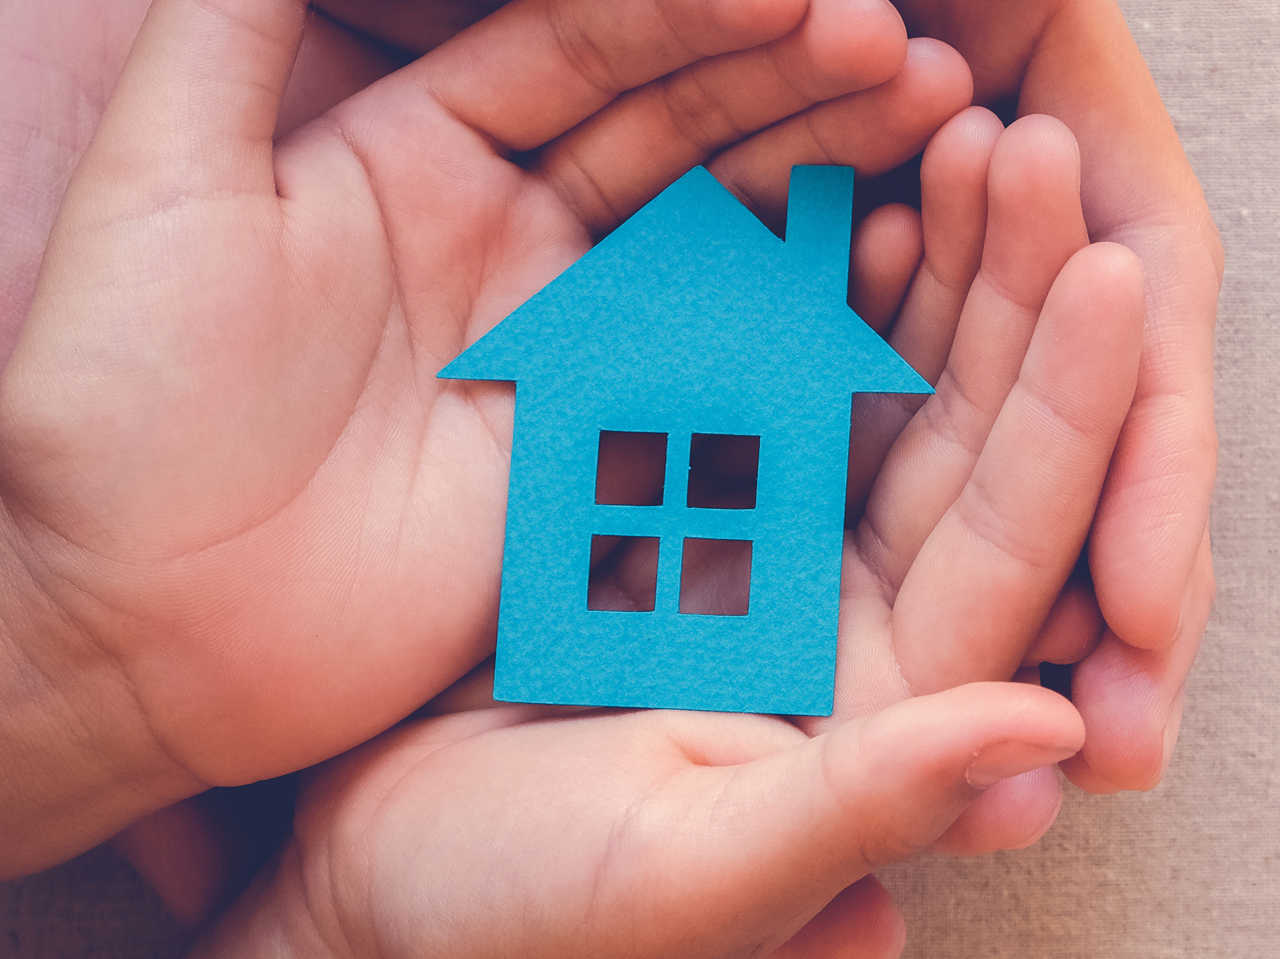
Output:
x,y
1010,758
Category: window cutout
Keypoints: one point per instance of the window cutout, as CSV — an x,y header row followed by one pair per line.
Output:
x,y
630,468
723,470
624,573
715,577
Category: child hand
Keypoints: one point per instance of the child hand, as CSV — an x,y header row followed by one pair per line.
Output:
x,y
245,525
968,527
641,834
625,834
1148,556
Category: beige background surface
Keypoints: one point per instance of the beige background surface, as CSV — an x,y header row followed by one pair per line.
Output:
x,y
1191,869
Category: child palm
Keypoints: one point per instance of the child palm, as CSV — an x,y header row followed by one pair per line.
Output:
x,y
246,500
634,834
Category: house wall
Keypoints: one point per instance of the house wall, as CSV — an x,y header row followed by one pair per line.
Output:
x,y
779,658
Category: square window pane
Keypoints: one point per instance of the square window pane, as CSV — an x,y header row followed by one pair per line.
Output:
x,y
624,573
723,471
715,577
630,468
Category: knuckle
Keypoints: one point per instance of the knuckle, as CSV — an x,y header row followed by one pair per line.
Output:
x,y
699,117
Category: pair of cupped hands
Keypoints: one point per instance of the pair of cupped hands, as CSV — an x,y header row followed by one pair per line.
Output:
x,y
247,530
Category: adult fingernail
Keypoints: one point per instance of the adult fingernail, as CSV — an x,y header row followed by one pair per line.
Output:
x,y
1011,758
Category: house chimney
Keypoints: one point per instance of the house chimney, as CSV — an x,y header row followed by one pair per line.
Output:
x,y
819,221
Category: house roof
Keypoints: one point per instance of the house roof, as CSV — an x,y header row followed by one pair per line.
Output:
x,y
694,289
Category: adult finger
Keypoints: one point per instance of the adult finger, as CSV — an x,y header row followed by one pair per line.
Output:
x,y
1144,548
1138,189
1034,225
984,581
860,923
1131,699
1012,814
873,130
333,63
611,164
536,68
884,254
953,200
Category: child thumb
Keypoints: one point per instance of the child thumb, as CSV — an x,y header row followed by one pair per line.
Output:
x,y
819,816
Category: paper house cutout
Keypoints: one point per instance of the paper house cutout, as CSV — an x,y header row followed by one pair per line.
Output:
x,y
690,318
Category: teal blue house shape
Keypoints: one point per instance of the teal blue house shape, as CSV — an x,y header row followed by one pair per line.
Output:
x,y
688,323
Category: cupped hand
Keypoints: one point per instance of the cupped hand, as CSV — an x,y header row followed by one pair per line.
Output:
x,y
638,834
969,511
59,63
249,527
1134,615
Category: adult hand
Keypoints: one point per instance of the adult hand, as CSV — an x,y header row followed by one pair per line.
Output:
x,y
1136,626
651,833
245,527
59,63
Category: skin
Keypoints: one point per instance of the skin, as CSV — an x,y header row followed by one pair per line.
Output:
x,y
1070,58
594,212
1133,617
684,835
248,529
1023,729
1133,621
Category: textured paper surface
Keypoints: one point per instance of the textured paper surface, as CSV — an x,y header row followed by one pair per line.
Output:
x,y
690,318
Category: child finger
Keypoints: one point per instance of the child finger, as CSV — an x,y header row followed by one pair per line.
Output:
x,y
413,27
615,161
333,63
874,130
1074,626
535,68
953,202
986,577
953,189
1034,225
185,855
886,251
196,105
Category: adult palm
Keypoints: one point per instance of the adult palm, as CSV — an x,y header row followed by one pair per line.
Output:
x,y
1147,602
251,527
